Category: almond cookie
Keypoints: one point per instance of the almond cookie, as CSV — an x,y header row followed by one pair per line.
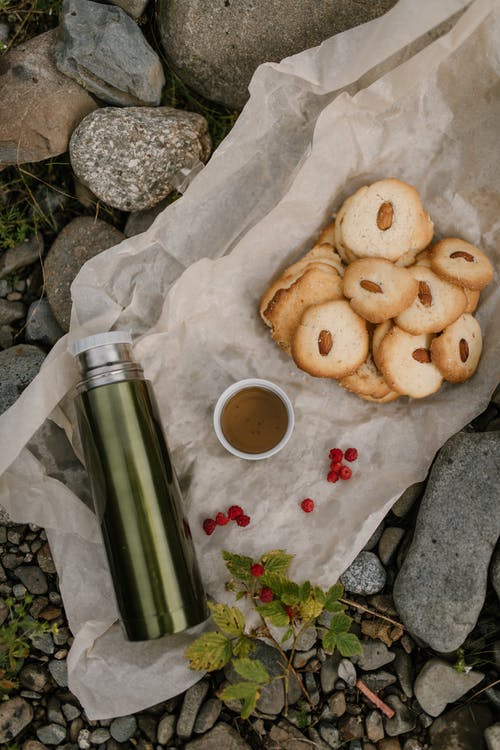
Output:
x,y
405,362
437,304
456,352
472,296
367,382
378,289
378,334
423,258
330,341
283,311
461,263
386,220
327,235
343,251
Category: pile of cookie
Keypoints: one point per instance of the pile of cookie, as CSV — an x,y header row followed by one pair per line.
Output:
x,y
374,305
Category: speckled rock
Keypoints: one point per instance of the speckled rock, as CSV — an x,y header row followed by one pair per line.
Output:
x,y
193,698
79,241
101,48
18,367
15,715
441,586
40,106
438,684
365,575
51,734
128,157
200,38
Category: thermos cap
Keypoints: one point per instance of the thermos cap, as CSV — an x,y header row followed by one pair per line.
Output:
x,y
100,339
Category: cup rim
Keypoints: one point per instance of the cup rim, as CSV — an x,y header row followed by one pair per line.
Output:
x,y
240,385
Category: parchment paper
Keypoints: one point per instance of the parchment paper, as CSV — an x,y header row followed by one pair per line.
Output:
x,y
297,150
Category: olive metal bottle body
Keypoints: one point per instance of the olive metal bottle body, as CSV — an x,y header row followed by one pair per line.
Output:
x,y
139,506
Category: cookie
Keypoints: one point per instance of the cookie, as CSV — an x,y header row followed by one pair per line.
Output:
x,y
423,258
461,263
283,311
456,352
327,235
472,296
325,253
437,304
385,219
344,252
405,362
378,334
367,382
331,340
378,289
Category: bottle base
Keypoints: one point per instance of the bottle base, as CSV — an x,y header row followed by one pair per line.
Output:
x,y
165,623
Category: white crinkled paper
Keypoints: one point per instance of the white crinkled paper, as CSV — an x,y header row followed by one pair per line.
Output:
x,y
317,126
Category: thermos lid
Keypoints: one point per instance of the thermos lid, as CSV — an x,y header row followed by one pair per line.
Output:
x,y
100,339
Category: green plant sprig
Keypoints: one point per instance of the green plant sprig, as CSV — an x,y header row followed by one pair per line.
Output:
x,y
294,607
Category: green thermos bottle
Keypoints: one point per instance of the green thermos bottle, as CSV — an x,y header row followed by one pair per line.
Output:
x,y
136,494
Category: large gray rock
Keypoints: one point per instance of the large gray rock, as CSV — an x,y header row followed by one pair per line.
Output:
x,y
79,241
128,157
441,587
18,366
15,715
40,106
438,684
215,47
102,49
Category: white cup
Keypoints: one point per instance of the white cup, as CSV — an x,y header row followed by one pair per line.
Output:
x,y
240,386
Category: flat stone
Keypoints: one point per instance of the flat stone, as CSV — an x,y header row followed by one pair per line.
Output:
x,y
34,676
80,240
70,712
389,542
337,704
306,639
59,671
347,671
374,726
365,575
33,745
100,735
402,721
134,8
390,743
40,106
166,729
287,737
207,715
222,736
405,503
377,681
41,325
51,734
54,713
330,734
33,578
44,559
129,156
193,698
15,715
103,50
492,737
351,728
329,674
438,684
201,38
403,666
460,729
123,728
18,366
375,655
318,743
10,311
441,586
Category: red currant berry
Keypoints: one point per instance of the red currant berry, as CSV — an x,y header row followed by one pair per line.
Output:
x,y
336,455
332,476
266,595
307,505
243,520
335,466
209,526
257,570
351,454
234,512
221,519
345,472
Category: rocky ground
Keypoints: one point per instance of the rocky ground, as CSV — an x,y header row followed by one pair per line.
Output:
x,y
424,592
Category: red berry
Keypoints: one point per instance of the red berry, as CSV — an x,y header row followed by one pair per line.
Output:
x,y
209,526
335,466
221,519
290,611
345,472
234,512
332,476
336,454
351,454
307,505
266,595
257,570
243,520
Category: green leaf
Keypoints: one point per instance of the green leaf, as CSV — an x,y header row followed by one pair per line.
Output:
x,y
248,692
291,593
275,613
238,565
242,646
333,595
209,652
336,607
304,591
276,561
229,619
310,609
348,644
252,670
288,634
340,623
329,641
319,595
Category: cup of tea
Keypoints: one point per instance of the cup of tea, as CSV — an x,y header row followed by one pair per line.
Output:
x,y
253,419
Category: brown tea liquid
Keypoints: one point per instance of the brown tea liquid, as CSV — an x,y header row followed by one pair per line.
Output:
x,y
254,420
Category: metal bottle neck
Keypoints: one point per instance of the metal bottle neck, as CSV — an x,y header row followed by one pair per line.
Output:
x,y
109,363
